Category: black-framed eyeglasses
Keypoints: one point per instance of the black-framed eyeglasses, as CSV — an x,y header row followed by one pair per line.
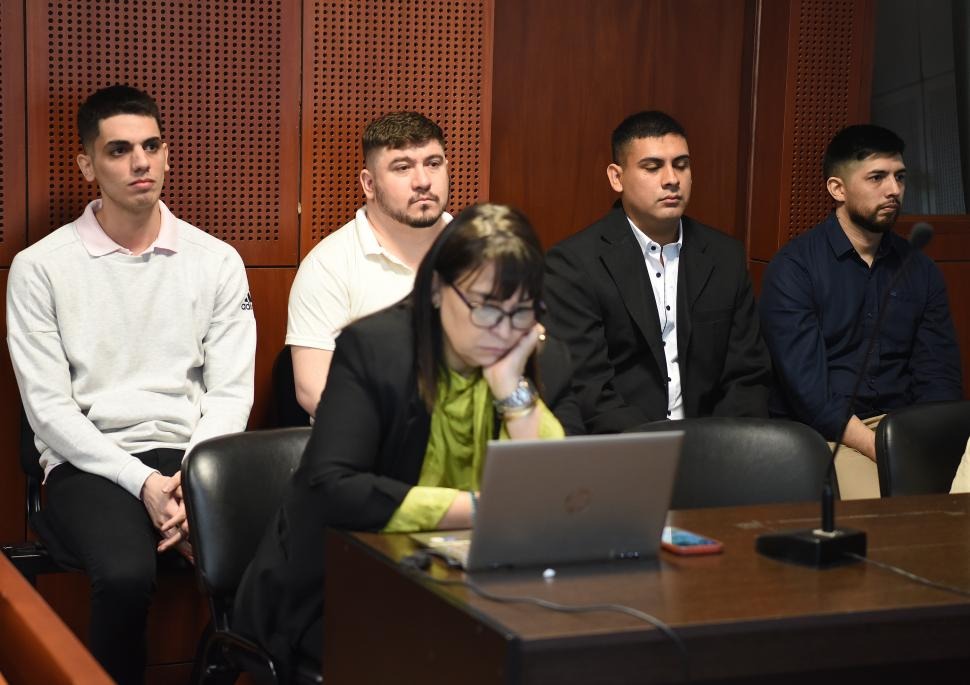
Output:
x,y
490,316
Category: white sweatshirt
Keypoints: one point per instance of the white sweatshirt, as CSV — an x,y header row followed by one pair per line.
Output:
x,y
117,354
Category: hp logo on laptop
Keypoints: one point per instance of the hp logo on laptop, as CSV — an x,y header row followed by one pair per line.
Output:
x,y
578,500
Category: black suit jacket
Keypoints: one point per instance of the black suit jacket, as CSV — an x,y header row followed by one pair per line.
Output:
x,y
601,303
365,452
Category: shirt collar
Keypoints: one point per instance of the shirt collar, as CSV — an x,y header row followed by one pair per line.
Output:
x,y
98,243
645,242
367,237
842,246
365,233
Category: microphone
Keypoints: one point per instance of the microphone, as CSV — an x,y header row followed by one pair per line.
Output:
x,y
828,545
919,237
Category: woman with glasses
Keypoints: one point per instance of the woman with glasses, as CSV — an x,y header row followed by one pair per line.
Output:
x,y
414,394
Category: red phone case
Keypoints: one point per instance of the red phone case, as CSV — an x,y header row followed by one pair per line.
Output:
x,y
715,546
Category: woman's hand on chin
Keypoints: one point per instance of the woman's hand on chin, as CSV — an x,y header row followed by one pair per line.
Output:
x,y
503,376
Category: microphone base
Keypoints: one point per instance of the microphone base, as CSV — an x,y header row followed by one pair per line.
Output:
x,y
813,547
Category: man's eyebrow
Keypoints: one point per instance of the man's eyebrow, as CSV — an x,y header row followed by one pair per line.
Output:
x,y
152,139
661,160
882,170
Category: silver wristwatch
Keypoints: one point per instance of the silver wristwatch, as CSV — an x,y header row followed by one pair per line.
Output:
x,y
520,402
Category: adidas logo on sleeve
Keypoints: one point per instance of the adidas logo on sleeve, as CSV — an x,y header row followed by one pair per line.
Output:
x,y
247,304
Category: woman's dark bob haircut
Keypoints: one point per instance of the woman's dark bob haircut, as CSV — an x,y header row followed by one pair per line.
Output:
x,y
482,234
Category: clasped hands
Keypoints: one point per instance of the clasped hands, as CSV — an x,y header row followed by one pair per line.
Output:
x,y
162,497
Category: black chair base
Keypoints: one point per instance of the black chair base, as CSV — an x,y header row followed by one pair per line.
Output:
x,y
222,655
32,559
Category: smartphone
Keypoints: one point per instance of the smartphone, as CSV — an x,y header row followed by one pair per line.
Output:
x,y
681,541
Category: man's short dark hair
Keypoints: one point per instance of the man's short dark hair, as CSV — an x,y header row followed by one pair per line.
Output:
x,y
856,143
399,130
108,102
651,124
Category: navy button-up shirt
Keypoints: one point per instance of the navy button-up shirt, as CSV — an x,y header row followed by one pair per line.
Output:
x,y
819,305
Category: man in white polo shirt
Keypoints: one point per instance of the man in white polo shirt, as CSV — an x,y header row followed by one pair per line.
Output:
x,y
370,262
133,339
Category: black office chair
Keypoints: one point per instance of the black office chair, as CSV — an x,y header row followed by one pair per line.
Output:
x,y
918,448
286,411
48,555
233,485
735,461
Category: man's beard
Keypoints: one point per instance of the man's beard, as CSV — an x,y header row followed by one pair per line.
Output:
x,y
422,221
872,223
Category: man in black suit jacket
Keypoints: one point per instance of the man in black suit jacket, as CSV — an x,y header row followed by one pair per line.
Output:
x,y
657,309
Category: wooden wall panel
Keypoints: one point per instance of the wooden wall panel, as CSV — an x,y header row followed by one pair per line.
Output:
x,y
828,67
13,176
363,60
567,73
226,78
813,63
270,289
771,67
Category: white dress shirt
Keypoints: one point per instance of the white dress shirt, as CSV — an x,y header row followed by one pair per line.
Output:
x,y
663,263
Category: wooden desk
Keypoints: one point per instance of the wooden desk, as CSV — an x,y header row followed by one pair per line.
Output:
x,y
35,645
742,616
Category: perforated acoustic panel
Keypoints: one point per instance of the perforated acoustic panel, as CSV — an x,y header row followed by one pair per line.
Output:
x,y
822,83
371,58
226,77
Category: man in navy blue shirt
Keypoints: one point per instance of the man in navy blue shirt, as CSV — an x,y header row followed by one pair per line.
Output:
x,y
820,304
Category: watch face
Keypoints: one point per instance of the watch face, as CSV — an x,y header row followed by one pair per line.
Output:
x,y
524,395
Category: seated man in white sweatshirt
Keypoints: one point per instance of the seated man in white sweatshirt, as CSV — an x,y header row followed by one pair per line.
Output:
x,y
133,338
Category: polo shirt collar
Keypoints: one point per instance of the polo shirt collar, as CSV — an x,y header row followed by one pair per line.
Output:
x,y
98,243
367,237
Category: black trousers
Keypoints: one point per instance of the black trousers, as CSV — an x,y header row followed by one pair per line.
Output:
x,y
110,532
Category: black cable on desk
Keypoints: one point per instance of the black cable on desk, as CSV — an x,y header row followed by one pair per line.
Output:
x,y
912,576
418,563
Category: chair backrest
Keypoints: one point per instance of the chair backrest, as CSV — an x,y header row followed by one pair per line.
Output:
x,y
286,411
737,461
233,484
57,557
918,448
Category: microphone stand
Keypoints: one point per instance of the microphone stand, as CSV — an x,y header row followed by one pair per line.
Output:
x,y
828,545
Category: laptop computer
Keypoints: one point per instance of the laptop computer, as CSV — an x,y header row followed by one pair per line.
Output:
x,y
585,498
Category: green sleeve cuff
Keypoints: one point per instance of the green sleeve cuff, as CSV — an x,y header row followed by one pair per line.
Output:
x,y
422,509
